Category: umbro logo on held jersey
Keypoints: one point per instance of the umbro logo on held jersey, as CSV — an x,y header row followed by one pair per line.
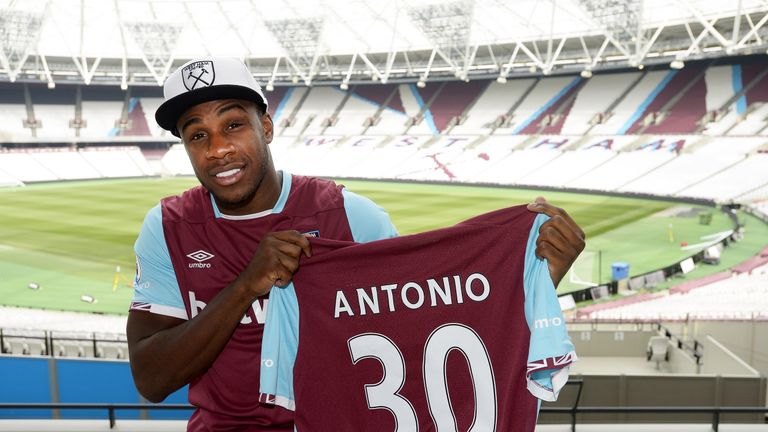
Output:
x,y
200,256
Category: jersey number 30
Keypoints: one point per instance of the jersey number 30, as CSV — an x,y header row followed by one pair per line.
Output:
x,y
444,339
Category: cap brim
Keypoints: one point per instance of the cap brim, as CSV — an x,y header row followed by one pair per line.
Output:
x,y
167,115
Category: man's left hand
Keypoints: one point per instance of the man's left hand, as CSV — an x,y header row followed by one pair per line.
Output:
x,y
560,239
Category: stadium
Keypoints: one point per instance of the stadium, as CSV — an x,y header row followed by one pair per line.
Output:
x,y
646,120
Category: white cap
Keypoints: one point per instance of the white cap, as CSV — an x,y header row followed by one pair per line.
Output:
x,y
203,80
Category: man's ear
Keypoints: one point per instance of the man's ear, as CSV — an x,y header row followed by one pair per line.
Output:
x,y
268,126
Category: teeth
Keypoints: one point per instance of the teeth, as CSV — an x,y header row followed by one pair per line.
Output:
x,y
228,173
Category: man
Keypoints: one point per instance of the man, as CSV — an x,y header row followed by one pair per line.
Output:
x,y
206,259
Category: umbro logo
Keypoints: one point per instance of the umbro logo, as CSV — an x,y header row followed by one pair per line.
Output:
x,y
200,256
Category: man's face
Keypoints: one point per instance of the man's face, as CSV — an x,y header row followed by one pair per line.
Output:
x,y
226,141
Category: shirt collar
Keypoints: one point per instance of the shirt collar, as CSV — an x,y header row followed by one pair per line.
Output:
x,y
279,205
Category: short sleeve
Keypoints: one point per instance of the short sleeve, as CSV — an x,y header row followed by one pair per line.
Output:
x,y
155,288
550,351
279,347
367,220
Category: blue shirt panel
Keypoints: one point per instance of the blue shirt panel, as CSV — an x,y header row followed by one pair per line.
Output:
x,y
155,285
549,336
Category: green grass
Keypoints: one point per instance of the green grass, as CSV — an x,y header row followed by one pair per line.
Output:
x,y
70,237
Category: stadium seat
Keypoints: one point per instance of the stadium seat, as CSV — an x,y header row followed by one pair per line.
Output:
x,y
109,350
63,348
658,350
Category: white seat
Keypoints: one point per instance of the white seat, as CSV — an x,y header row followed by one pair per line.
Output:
x,y
658,350
63,348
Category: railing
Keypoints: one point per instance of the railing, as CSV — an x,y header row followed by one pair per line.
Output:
x,y
110,408
715,411
693,350
572,410
48,339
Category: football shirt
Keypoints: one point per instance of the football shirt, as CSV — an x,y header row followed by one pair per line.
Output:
x,y
453,329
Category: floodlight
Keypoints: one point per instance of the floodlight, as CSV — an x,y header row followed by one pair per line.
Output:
x,y
51,85
123,86
270,87
677,64
586,73
501,79
532,69
344,86
421,84
33,286
641,66
295,79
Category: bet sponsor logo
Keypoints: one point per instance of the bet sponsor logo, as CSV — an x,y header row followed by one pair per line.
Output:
x,y
200,257
258,309
547,322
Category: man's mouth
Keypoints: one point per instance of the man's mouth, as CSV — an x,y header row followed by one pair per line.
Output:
x,y
228,173
228,177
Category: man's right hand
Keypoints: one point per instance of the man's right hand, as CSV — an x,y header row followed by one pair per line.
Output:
x,y
275,261
166,353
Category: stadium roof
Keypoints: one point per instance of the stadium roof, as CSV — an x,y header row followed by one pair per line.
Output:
x,y
338,41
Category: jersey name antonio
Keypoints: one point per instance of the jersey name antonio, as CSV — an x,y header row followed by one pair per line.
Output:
x,y
453,329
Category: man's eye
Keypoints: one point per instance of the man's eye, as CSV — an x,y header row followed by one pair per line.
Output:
x,y
196,136
234,125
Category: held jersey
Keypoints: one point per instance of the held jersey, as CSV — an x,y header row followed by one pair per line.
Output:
x,y
207,252
453,329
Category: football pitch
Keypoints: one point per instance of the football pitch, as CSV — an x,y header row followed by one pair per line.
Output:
x,y
75,239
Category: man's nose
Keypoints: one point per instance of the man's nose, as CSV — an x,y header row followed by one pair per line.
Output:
x,y
219,146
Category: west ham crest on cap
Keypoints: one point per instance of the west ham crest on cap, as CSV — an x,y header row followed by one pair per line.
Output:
x,y
198,75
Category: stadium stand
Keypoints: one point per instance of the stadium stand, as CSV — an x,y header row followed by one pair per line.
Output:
x,y
720,85
622,169
286,114
54,120
729,184
100,118
593,100
631,104
150,105
738,297
12,118
491,110
545,94
23,167
65,164
355,112
685,170
176,162
34,165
